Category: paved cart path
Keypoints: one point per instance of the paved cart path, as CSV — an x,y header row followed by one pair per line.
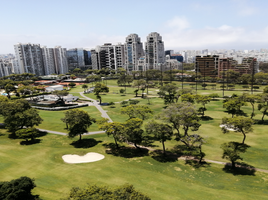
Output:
x,y
97,105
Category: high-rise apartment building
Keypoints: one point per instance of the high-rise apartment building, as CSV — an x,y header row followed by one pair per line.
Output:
x,y
48,59
60,59
55,60
30,58
154,51
133,51
108,56
207,65
5,69
76,58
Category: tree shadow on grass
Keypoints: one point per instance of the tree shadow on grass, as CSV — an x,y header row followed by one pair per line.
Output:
x,y
160,157
196,164
126,152
239,113
206,118
39,134
30,142
85,143
264,122
240,169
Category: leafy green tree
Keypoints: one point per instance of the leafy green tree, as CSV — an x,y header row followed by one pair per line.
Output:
x,y
263,105
9,88
252,99
72,84
133,131
116,129
188,98
25,90
260,78
232,151
99,98
78,122
99,88
94,192
72,76
27,133
203,100
245,78
18,114
93,78
18,189
136,92
121,91
214,95
181,92
233,106
240,124
137,111
139,83
181,115
84,86
162,132
60,94
169,91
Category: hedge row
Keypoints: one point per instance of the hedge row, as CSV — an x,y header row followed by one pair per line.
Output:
x,y
60,108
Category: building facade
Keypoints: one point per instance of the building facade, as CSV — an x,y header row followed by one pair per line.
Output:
x,y
207,66
154,51
133,51
30,58
108,56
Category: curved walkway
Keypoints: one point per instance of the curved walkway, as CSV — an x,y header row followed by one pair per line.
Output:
x,y
97,105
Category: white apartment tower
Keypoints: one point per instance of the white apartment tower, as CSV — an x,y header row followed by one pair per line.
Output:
x,y
133,51
60,59
108,56
48,58
154,51
30,58
55,60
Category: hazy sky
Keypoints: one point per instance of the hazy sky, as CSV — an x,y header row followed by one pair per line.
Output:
x,y
183,24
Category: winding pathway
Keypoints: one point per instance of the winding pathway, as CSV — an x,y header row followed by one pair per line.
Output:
x,y
97,105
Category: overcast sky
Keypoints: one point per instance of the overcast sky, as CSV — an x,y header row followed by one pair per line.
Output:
x,y
183,24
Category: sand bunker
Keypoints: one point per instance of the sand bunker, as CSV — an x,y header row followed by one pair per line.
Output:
x,y
89,157
229,129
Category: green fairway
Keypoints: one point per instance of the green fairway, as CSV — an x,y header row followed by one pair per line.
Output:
x,y
52,119
169,180
158,178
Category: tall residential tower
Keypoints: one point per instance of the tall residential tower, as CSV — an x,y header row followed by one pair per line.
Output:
x,y
154,51
133,51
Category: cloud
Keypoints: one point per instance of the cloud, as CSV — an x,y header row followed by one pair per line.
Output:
x,y
179,23
245,8
223,36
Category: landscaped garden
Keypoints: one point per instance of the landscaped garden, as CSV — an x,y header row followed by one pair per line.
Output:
x,y
151,173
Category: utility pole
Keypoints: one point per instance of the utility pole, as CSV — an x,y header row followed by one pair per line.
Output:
x,y
196,67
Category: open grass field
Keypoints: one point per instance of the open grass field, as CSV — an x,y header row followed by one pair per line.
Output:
x,y
159,180
156,177
52,119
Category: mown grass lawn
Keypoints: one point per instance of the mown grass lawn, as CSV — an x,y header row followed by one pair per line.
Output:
x,y
52,119
159,180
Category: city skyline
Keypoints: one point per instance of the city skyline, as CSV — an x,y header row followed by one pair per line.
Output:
x,y
234,24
